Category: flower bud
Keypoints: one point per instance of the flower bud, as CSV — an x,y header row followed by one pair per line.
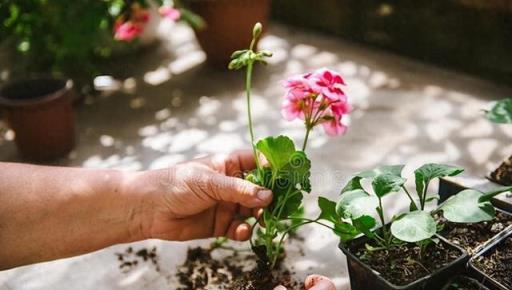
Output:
x,y
256,31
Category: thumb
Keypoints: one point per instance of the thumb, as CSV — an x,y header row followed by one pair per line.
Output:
x,y
237,190
318,282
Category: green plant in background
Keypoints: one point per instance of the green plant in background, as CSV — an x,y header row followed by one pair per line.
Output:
x,y
58,36
357,207
315,98
501,112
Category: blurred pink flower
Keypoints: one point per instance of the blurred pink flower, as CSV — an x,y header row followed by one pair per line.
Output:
x,y
127,31
333,126
140,16
317,98
170,13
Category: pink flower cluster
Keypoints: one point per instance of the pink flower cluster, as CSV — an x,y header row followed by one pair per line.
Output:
x,y
127,27
317,98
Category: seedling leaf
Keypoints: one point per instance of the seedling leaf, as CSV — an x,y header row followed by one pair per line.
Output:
x,y
424,174
414,227
466,207
356,203
385,183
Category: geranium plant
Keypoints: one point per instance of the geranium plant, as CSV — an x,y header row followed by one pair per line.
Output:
x,y
53,36
316,98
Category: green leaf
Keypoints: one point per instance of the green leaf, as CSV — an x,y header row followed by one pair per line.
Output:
x,y
293,203
386,183
427,172
385,169
365,225
352,184
327,210
295,172
345,231
501,112
414,227
277,150
356,203
489,195
195,21
466,207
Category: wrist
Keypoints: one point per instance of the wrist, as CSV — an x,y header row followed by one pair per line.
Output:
x,y
140,191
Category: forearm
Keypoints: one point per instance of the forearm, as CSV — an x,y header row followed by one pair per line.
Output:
x,y
50,212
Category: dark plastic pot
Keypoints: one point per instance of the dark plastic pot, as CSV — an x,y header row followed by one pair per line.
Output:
x,y
40,113
464,278
448,188
490,248
362,277
229,26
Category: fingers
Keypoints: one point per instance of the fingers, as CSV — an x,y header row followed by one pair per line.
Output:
x,y
318,282
239,231
223,216
232,189
280,287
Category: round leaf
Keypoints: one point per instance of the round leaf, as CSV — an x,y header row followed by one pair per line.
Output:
x,y
356,203
466,207
414,227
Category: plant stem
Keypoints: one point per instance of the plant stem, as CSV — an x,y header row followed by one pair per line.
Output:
x,y
424,197
380,211
248,87
308,128
410,197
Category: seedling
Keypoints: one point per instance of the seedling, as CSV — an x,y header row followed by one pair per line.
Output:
x,y
316,98
357,206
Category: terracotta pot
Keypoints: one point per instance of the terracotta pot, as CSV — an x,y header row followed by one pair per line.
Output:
x,y
40,113
229,26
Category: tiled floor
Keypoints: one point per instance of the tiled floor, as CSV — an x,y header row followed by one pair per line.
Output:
x,y
171,107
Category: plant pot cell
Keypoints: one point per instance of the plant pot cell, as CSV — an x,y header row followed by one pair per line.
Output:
x,y
402,267
473,236
493,264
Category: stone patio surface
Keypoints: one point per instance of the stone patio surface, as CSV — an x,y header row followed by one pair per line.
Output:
x,y
170,107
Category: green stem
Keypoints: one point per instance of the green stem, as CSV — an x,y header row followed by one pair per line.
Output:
x,y
380,211
410,197
424,197
306,139
248,87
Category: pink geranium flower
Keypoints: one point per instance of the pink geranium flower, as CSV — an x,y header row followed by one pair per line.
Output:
x,y
170,13
317,98
328,83
334,126
127,31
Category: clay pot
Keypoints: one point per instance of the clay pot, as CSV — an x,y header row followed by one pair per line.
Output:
x,y
40,113
228,27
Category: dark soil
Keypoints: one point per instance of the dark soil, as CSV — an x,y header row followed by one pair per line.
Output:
x,y
463,283
471,236
401,265
498,265
237,272
131,258
503,174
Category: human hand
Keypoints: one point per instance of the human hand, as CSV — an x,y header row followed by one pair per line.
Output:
x,y
315,282
199,199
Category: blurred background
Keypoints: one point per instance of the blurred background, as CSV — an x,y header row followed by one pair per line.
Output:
x,y
139,84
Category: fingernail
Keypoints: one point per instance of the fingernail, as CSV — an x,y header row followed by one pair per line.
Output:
x,y
264,195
